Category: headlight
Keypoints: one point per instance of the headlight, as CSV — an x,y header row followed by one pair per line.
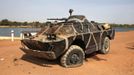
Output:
x,y
51,36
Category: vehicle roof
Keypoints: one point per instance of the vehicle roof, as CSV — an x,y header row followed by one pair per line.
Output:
x,y
79,18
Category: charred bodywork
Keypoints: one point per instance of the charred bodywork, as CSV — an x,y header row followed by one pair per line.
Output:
x,y
56,39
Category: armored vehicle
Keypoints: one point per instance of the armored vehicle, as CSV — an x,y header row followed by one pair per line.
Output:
x,y
70,40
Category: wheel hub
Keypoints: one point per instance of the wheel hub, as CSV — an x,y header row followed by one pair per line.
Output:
x,y
74,59
106,44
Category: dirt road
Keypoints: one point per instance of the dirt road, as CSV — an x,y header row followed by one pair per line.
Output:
x,y
119,61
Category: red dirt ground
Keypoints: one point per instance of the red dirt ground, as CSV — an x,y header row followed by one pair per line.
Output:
x,y
119,61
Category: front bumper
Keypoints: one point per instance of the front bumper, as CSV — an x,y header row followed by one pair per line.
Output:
x,y
50,55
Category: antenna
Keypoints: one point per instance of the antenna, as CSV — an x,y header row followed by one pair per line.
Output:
x,y
71,11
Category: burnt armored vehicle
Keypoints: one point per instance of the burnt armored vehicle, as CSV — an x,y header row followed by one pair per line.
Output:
x,y
70,40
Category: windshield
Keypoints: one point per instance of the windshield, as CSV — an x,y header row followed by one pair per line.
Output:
x,y
52,29
42,30
48,29
63,28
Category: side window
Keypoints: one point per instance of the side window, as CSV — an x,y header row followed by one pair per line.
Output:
x,y
92,27
85,27
78,27
96,28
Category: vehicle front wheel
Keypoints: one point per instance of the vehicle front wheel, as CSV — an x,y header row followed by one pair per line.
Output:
x,y
74,57
105,46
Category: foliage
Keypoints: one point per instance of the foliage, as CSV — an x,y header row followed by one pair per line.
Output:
x,y
6,22
122,25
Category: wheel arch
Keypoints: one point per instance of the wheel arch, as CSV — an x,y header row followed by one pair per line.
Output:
x,y
103,35
79,42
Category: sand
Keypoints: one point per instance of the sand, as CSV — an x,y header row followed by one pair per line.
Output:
x,y
119,61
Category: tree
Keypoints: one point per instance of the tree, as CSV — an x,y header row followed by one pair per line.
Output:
x,y
25,23
5,22
36,24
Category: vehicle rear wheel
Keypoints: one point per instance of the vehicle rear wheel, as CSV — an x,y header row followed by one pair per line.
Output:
x,y
74,57
105,46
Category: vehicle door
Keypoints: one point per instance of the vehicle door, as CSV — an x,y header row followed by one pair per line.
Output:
x,y
93,44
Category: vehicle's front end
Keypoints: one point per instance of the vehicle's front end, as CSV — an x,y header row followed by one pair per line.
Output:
x,y
48,50
49,43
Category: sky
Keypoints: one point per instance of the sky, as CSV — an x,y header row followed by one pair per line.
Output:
x,y
108,11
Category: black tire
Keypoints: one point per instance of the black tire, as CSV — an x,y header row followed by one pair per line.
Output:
x,y
105,46
74,57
